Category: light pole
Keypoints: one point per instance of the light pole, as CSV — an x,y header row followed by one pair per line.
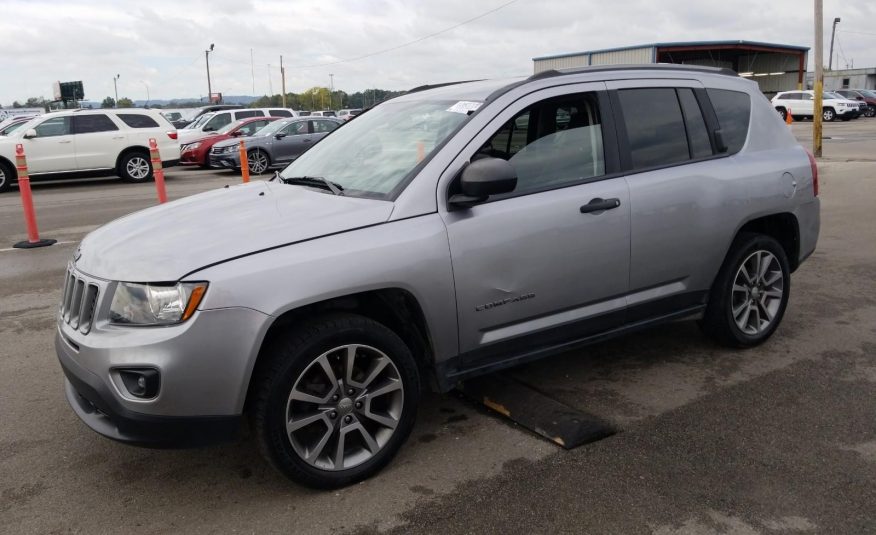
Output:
x,y
147,93
116,90
832,34
209,86
331,90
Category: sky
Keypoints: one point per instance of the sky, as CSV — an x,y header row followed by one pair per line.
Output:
x,y
157,47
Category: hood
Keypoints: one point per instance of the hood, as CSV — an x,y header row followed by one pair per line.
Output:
x,y
166,242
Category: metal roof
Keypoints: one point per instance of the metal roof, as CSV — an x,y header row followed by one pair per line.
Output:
x,y
740,43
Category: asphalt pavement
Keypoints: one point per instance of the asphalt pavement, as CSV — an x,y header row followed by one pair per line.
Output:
x,y
777,439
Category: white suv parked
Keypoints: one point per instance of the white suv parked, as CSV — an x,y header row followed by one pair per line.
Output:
x,y
213,121
102,141
802,104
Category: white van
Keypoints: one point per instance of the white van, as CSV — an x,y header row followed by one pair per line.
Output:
x,y
213,121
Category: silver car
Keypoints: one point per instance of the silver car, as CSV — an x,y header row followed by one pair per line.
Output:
x,y
444,234
275,145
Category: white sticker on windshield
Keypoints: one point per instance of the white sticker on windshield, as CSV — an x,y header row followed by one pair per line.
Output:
x,y
464,106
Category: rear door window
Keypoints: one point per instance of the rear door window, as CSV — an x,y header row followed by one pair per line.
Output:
x,y
280,113
138,120
733,109
655,127
87,124
248,113
321,127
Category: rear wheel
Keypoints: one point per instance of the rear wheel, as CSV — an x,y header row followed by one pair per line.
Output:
x,y
750,293
135,167
335,401
7,174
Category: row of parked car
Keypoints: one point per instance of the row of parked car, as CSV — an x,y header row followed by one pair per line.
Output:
x,y
843,104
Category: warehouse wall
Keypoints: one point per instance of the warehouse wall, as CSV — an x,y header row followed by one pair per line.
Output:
x,y
568,62
630,55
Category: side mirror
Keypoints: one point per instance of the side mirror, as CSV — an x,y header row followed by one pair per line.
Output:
x,y
281,135
482,178
30,133
236,133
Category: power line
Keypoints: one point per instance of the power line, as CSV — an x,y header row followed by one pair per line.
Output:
x,y
859,33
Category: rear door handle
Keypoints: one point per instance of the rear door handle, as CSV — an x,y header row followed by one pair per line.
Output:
x,y
66,141
599,205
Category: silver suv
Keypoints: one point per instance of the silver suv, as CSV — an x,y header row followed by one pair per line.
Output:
x,y
447,233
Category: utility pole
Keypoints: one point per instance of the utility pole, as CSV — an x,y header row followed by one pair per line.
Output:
x,y
331,90
283,77
116,89
270,83
252,69
147,93
832,35
209,85
819,78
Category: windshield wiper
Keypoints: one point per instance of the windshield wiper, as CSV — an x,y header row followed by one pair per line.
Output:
x,y
317,181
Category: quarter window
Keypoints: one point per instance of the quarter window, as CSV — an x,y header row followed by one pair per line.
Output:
x,y
138,120
733,109
56,126
655,127
87,124
551,144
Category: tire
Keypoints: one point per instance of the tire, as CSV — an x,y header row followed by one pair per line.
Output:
x,y
135,167
258,161
726,319
323,411
7,176
871,111
828,114
783,113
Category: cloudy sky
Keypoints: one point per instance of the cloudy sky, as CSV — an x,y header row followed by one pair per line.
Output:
x,y
160,44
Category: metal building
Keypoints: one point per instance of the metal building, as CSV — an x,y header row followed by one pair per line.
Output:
x,y
774,67
846,79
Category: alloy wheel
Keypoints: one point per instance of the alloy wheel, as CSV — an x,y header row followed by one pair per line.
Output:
x,y
258,162
344,407
3,178
827,115
137,168
757,292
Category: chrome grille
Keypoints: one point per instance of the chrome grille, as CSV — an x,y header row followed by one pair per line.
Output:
x,y
78,302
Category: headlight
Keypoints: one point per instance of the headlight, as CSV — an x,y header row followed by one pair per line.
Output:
x,y
155,304
231,149
192,146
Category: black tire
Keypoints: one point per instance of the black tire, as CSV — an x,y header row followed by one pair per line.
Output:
x,y
783,113
719,321
287,358
828,114
258,161
871,111
135,166
7,176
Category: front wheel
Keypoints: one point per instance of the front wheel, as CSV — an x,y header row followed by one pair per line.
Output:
x,y
750,293
258,161
336,399
7,173
828,114
870,111
135,167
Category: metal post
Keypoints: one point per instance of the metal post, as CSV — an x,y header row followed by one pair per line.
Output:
x,y
832,35
283,77
819,78
116,89
209,85
147,93
331,91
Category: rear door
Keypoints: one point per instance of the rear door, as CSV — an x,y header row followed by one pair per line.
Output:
x,y
52,150
98,141
684,195
319,129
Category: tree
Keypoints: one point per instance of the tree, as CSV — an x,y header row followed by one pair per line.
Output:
x,y
108,102
16,104
35,102
125,102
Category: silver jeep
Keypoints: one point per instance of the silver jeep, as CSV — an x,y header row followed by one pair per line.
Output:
x,y
450,232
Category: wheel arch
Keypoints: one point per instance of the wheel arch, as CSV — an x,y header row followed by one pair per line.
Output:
x,y
129,150
11,166
783,227
394,308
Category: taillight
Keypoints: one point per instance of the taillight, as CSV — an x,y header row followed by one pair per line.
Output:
x,y
172,134
814,168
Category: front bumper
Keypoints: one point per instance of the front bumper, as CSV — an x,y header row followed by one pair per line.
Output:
x,y
225,160
204,365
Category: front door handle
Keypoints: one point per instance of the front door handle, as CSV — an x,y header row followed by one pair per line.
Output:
x,y
305,141
599,205
66,141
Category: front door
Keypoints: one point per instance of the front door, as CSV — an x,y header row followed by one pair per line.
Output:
x,y
52,150
539,267
291,144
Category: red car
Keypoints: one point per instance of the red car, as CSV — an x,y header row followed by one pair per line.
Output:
x,y
195,152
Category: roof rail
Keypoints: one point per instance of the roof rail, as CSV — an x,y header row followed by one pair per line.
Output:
x,y
434,86
645,67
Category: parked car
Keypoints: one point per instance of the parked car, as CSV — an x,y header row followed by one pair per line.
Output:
x,y
98,141
274,145
323,113
195,152
176,118
7,127
213,121
304,113
860,96
346,115
802,105
214,108
430,241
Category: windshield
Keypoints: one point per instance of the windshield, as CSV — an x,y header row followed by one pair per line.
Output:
x,y
6,130
373,155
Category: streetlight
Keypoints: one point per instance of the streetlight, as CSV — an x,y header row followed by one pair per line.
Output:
x,y
209,86
331,90
116,89
147,93
832,34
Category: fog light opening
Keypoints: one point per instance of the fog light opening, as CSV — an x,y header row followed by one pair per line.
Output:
x,y
141,383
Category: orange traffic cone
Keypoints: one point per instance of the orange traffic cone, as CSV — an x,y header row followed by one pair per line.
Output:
x,y
788,117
